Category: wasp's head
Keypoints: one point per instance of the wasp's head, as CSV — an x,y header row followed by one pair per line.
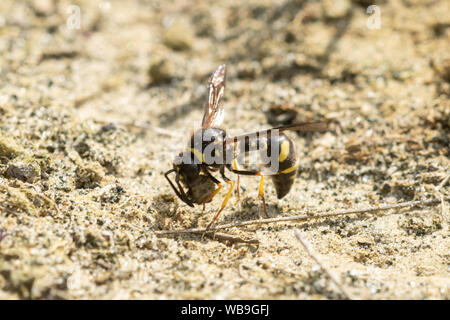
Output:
x,y
186,173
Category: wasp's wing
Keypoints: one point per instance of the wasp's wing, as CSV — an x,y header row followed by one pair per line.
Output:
x,y
304,127
213,112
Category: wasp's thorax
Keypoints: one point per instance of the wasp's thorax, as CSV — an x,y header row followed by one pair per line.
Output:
x,y
206,147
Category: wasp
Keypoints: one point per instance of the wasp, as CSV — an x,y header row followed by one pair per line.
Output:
x,y
194,179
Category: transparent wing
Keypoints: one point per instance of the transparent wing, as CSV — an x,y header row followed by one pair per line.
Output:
x,y
213,112
304,127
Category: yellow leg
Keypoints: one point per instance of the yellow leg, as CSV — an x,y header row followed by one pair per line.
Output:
x,y
238,186
261,192
224,203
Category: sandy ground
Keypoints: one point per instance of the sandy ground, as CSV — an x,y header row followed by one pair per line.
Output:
x,y
82,193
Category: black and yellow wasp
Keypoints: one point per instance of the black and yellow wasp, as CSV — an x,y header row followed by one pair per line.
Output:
x,y
194,172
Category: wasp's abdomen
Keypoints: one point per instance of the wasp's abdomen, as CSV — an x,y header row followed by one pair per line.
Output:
x,y
288,164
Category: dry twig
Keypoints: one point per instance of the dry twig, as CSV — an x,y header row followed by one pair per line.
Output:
x,y
3,234
310,251
441,196
41,195
298,218
443,183
230,237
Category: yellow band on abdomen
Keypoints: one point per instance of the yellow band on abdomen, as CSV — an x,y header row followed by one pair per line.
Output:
x,y
284,152
290,169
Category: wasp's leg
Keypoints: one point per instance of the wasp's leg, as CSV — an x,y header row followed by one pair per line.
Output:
x,y
261,183
236,167
179,192
261,193
227,197
238,186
